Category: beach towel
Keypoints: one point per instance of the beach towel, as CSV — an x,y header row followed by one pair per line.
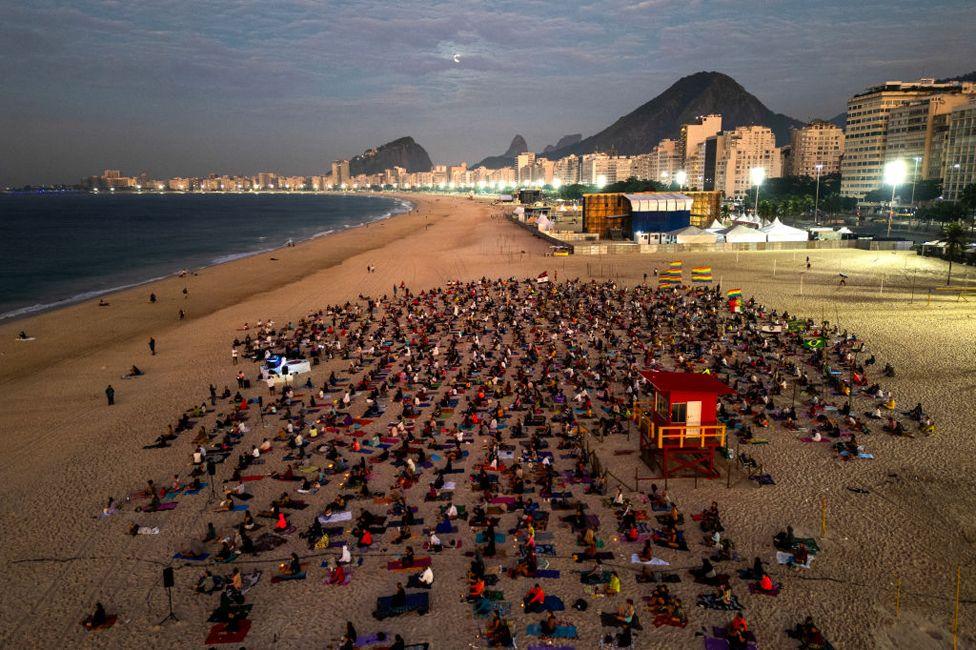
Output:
x,y
655,561
562,631
169,505
110,620
552,604
712,601
192,558
787,558
335,518
445,527
418,602
482,538
252,477
662,620
285,577
418,563
219,634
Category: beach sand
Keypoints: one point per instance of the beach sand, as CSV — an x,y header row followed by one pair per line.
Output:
x,y
63,452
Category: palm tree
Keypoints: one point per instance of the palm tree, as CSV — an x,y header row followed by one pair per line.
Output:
x,y
954,236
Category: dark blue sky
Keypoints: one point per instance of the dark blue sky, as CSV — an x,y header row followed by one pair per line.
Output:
x,y
180,87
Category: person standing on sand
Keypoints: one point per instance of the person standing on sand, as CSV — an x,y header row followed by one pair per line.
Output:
x,y
152,345
110,395
234,354
182,314
152,298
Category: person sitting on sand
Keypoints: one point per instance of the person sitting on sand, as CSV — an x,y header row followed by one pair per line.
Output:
x,y
282,523
97,619
337,575
549,624
736,631
534,600
800,556
399,597
647,553
497,632
294,566
477,589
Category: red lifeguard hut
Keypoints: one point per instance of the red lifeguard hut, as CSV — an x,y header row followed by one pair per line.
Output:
x,y
679,428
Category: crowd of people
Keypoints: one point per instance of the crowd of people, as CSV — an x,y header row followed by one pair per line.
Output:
x,y
458,420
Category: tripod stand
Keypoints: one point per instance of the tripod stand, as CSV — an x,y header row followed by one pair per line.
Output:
x,y
168,582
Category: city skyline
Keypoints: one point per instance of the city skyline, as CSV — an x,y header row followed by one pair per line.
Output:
x,y
292,88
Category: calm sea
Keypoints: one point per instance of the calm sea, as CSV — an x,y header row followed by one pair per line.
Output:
x,y
60,248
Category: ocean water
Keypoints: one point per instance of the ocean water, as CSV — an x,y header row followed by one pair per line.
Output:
x,y
59,248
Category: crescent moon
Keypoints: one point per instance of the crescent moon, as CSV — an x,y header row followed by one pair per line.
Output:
x,y
457,58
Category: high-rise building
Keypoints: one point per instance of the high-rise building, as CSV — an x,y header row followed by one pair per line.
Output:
x,y
340,173
959,151
567,170
523,167
866,133
730,156
690,146
660,164
916,133
818,143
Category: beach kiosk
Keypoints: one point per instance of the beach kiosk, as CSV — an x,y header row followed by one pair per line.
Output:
x,y
679,429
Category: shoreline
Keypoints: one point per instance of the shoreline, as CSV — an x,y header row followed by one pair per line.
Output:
x,y
21,313
225,284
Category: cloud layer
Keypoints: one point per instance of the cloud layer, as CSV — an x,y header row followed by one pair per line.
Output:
x,y
172,86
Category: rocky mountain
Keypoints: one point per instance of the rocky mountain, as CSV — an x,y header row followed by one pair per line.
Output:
x,y
689,97
839,120
565,141
506,159
963,77
402,152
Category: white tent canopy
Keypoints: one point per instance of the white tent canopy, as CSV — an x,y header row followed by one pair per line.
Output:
x,y
716,226
691,235
779,231
744,234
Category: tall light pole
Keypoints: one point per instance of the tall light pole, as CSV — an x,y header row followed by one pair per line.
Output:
x,y
894,175
816,198
757,175
918,159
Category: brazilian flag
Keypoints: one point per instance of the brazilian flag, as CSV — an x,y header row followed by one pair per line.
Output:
x,y
815,344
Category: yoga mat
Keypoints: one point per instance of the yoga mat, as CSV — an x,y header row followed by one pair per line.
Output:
x,y
418,563
192,558
219,634
336,517
547,573
634,559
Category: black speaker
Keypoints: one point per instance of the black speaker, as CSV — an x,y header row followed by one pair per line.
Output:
x,y
168,577
211,468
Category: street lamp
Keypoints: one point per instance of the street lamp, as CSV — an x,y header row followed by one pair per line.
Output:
x,y
681,177
816,198
894,175
918,159
757,175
